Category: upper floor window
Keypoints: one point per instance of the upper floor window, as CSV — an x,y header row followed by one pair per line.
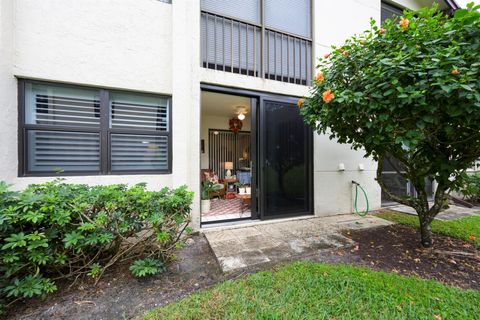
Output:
x,y
389,11
73,130
262,38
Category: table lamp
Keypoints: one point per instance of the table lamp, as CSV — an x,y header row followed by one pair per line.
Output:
x,y
228,167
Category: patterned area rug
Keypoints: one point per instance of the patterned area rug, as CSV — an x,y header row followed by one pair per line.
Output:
x,y
223,206
223,209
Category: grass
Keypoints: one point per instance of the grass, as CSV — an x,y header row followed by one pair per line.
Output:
x,y
307,290
463,228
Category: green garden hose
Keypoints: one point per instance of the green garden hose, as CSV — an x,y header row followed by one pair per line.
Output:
x,y
355,206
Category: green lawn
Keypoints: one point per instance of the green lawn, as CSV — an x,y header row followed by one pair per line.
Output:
x,y
463,228
307,290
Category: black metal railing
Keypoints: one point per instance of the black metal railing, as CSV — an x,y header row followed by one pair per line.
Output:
x,y
237,46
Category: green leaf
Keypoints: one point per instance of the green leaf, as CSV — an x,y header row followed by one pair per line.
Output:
x,y
72,239
146,267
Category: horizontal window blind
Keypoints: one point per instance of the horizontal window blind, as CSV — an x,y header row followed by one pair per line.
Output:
x,y
134,111
55,105
63,151
292,16
248,10
139,152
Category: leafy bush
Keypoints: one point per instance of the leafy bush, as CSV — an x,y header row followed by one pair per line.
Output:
x,y
56,230
470,187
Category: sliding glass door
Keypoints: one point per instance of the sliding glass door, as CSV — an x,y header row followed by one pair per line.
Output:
x,y
285,166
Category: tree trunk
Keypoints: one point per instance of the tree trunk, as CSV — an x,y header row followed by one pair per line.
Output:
x,y
425,232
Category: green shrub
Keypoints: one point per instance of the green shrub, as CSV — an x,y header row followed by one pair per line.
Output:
x,y
470,187
56,230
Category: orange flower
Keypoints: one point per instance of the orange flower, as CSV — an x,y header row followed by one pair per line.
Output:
x,y
472,237
328,96
404,23
299,103
345,53
382,30
455,72
320,77
326,56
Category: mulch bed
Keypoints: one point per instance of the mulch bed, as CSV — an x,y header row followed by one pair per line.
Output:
x,y
397,249
119,295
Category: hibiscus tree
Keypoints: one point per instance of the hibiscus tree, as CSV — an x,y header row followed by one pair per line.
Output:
x,y
408,90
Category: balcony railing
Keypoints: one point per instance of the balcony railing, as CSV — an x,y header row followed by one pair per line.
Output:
x,y
236,46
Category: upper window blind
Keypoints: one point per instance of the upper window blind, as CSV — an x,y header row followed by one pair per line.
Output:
x,y
248,10
292,16
137,111
57,105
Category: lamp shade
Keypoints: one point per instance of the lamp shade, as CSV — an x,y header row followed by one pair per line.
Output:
x,y
228,165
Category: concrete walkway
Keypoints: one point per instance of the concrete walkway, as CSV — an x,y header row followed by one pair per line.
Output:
x,y
250,246
452,213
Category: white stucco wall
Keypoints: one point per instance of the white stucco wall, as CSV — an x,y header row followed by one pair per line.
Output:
x,y
111,43
186,98
8,94
334,23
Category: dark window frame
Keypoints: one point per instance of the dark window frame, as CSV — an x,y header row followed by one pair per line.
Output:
x,y
393,8
105,132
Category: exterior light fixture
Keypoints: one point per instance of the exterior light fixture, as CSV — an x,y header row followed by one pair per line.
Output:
x,y
241,116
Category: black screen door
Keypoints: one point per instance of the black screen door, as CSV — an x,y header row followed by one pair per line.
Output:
x,y
285,161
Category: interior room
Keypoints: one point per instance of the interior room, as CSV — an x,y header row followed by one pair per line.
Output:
x,y
225,157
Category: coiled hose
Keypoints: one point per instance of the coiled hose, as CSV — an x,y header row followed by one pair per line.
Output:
x,y
355,202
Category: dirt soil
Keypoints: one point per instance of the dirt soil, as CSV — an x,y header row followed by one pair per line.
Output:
x,y
119,295
397,249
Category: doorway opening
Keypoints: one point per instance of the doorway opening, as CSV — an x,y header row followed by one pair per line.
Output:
x,y
226,157
256,156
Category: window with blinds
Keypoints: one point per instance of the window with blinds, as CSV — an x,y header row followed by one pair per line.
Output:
x,y
148,118
237,38
76,130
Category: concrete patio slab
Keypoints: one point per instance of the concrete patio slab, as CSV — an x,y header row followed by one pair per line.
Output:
x,y
249,246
